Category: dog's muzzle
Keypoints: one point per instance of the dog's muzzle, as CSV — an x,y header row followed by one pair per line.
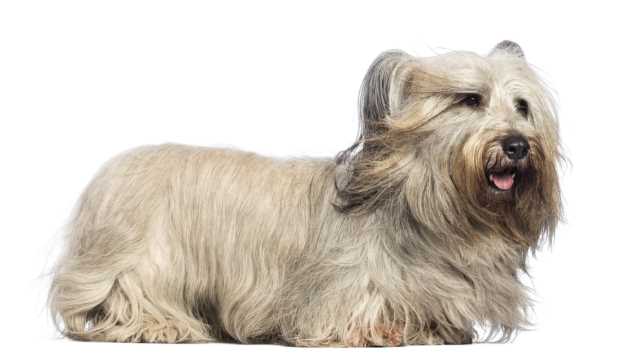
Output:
x,y
505,173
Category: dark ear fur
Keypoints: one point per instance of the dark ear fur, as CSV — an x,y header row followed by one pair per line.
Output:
x,y
509,47
365,175
380,81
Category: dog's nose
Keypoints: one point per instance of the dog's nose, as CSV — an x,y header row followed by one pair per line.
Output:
x,y
515,146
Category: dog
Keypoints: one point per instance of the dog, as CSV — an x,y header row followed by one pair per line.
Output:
x,y
418,233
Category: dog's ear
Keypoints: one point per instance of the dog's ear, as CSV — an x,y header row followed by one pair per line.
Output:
x,y
365,176
382,89
507,47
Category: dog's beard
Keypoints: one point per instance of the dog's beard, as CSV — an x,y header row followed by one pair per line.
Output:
x,y
515,199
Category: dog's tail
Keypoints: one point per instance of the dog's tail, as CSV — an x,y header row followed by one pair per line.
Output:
x,y
86,278
100,247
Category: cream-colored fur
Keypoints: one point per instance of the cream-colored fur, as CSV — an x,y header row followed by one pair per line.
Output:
x,y
399,240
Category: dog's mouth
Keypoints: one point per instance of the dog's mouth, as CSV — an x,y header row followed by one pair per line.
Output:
x,y
503,180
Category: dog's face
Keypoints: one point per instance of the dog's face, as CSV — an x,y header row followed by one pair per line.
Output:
x,y
464,142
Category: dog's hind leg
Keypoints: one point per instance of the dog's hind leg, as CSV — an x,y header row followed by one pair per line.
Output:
x,y
107,289
132,314
116,282
100,293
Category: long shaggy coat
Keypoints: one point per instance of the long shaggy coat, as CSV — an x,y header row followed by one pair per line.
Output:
x,y
403,238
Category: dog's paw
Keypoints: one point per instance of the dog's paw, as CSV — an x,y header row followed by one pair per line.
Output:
x,y
170,332
390,335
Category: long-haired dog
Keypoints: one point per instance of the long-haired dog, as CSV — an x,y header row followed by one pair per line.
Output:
x,y
416,234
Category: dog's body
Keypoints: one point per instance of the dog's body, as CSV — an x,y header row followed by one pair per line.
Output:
x,y
414,235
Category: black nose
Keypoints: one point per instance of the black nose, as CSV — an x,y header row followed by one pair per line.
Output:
x,y
515,146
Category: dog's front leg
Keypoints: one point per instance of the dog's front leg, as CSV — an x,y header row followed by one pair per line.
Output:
x,y
381,335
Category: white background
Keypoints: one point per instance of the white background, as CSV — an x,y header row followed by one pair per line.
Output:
x,y
83,80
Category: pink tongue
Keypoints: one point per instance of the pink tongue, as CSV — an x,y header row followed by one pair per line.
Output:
x,y
504,182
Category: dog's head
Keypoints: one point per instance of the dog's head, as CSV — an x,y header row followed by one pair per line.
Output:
x,y
465,144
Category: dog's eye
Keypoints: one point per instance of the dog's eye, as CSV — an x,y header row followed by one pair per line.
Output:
x,y
522,107
471,100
